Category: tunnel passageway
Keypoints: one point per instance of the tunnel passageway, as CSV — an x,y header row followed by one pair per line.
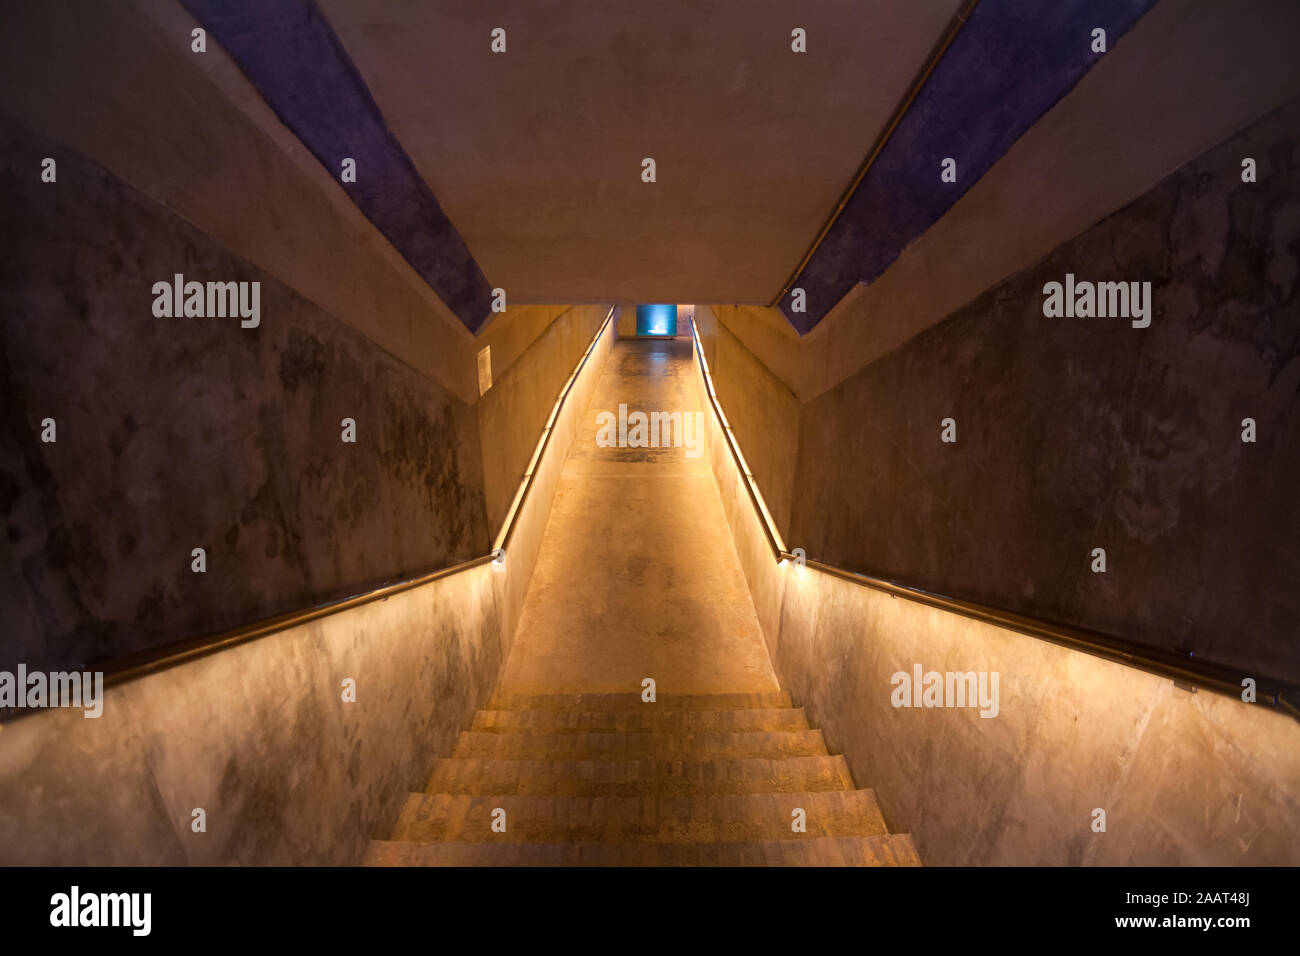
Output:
x,y
638,574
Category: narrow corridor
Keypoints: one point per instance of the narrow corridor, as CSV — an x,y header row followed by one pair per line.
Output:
x,y
638,578
638,574
830,433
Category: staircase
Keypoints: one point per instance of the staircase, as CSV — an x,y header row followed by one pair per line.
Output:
x,y
608,780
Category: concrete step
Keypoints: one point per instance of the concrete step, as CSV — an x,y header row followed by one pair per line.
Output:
x,y
649,719
640,746
658,819
591,778
888,850
632,701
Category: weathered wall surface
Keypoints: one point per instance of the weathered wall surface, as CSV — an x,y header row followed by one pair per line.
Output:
x,y
1169,92
178,433
1156,101
1184,778
117,82
260,738
1075,434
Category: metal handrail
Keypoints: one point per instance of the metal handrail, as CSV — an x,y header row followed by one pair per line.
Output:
x,y
1183,669
526,482
774,540
152,660
155,659
1210,675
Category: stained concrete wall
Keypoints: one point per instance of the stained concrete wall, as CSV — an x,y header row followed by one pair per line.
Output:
x,y
189,132
259,736
233,435
1075,434
182,433
117,82
1187,76
1184,778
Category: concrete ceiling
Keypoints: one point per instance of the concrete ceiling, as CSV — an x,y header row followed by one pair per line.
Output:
x,y
535,154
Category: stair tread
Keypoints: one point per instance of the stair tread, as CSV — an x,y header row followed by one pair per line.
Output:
x,y
895,849
632,701
557,777
648,719
611,780
681,818
806,743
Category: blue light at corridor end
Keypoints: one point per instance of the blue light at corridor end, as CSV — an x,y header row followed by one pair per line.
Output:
x,y
656,320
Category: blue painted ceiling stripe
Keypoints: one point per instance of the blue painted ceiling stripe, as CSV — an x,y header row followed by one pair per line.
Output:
x,y
1011,62
290,53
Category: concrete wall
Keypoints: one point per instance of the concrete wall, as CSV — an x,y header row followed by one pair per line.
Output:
x,y
258,735
1157,101
767,334
627,320
177,433
1184,778
188,136
768,418
513,412
510,333
762,573
522,551
117,82
1189,75
1066,432
183,433
1075,434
